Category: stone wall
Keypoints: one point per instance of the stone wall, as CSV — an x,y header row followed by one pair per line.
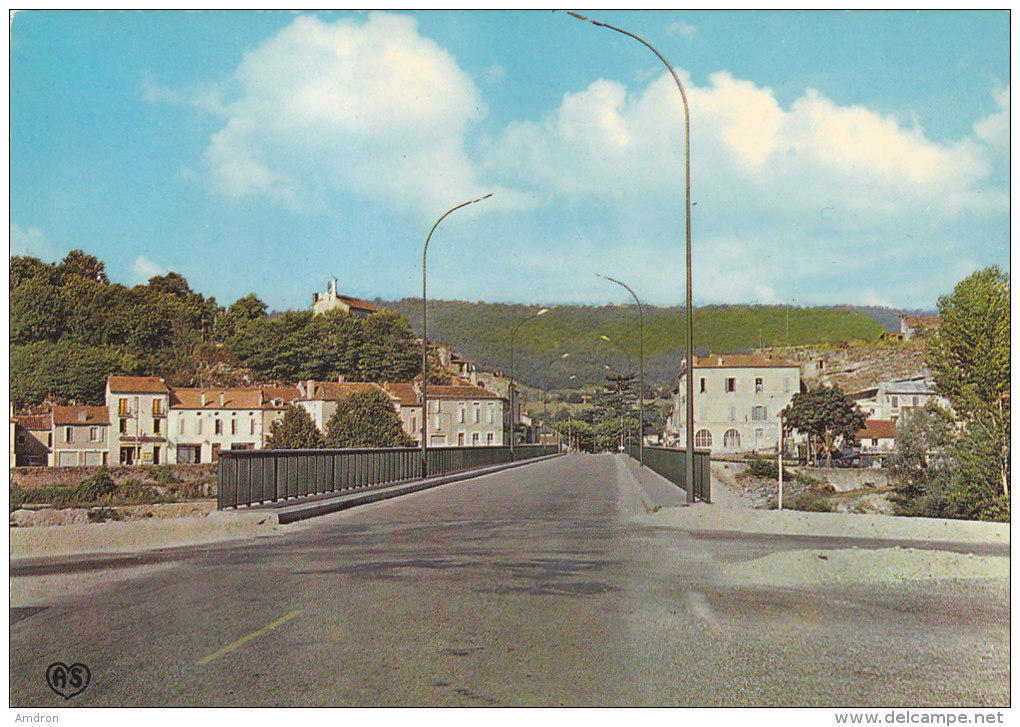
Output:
x,y
848,479
44,476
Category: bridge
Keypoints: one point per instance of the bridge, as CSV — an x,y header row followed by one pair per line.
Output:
x,y
552,583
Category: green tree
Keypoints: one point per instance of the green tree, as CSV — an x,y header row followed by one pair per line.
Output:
x,y
65,370
970,360
78,264
390,351
337,343
923,465
577,433
366,419
295,430
827,414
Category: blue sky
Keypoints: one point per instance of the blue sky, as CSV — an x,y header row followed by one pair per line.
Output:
x,y
837,157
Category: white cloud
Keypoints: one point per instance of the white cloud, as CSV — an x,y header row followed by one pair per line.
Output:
x,y
143,269
31,242
684,30
371,109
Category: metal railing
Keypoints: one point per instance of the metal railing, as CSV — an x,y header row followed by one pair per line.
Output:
x,y
249,477
670,463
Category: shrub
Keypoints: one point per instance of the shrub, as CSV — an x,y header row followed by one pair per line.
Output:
x,y
811,502
762,467
96,487
162,473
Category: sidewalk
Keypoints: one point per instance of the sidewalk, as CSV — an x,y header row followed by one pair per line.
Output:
x,y
731,513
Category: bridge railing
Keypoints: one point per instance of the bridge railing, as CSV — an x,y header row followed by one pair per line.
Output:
x,y
672,464
249,477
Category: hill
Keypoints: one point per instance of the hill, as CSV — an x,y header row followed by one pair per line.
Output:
x,y
481,332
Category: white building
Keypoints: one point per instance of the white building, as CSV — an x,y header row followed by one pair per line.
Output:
x,y
321,398
896,400
203,422
334,301
460,415
737,400
80,436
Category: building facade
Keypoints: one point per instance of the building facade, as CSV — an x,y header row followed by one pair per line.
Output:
x,y
737,400
81,436
204,422
32,440
332,300
895,401
138,407
321,398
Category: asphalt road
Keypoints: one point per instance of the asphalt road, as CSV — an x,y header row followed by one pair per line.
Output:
x,y
532,587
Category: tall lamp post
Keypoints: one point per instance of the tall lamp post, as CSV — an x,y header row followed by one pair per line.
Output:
x,y
513,412
641,355
689,459
425,343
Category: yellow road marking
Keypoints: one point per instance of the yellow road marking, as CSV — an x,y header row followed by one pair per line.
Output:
x,y
245,639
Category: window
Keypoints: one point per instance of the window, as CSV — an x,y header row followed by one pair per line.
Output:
x,y
157,407
123,426
180,425
95,434
233,426
731,439
414,424
478,414
704,385
731,385
489,414
703,438
68,434
155,455
22,439
759,414
437,426
122,408
251,426
759,385
155,426
460,437
198,425
218,426
460,415
474,439
915,401
489,439
895,402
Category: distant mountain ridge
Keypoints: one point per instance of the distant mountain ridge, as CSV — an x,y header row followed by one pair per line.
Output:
x,y
481,332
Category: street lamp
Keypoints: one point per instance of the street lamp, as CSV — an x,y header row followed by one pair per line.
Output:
x,y
641,397
425,343
513,412
689,459
545,409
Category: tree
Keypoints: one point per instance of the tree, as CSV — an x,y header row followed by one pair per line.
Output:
x,y
366,419
578,434
78,264
390,352
970,354
970,360
923,464
826,413
295,430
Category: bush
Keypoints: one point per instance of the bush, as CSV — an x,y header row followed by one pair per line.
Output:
x,y
162,473
761,467
96,487
811,502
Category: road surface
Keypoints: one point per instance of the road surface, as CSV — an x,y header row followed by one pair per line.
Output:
x,y
538,586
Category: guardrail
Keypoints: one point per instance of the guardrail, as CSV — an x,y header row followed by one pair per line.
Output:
x,y
249,477
672,464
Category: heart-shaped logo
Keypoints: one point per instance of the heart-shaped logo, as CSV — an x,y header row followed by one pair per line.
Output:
x,y
68,680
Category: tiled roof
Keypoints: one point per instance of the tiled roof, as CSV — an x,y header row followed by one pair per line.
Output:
x,y
251,397
460,392
878,429
34,422
926,321
137,385
908,387
358,303
740,360
406,393
93,415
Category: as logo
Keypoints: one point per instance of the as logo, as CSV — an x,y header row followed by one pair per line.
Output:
x,y
68,680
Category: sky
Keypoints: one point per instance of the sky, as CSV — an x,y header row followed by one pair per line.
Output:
x,y
837,157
